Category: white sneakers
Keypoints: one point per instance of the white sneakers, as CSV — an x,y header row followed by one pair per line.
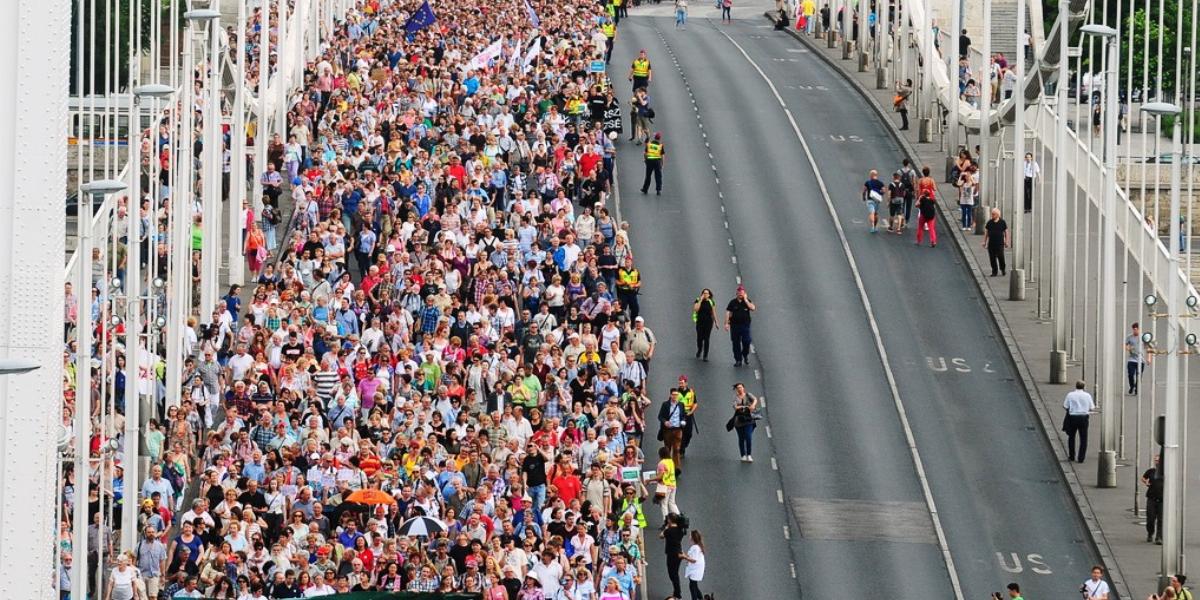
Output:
x,y
747,458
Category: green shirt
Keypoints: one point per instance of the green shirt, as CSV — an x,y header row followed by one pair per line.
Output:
x,y
197,237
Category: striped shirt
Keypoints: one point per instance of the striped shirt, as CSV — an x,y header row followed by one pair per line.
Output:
x,y
325,381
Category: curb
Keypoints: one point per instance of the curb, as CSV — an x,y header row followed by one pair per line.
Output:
x,y
1027,380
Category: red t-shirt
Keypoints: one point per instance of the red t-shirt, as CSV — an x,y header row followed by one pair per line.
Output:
x,y
568,486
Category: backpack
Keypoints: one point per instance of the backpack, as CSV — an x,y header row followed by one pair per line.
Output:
x,y
906,178
683,521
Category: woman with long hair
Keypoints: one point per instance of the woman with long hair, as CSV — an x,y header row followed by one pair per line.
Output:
x,y
704,315
744,405
694,571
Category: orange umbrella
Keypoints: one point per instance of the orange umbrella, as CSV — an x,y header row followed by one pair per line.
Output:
x,y
370,496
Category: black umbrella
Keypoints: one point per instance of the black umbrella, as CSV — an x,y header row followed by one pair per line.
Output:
x,y
422,527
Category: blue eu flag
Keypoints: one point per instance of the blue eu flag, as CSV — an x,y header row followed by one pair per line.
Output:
x,y
421,19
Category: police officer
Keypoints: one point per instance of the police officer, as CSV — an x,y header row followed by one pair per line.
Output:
x,y
640,73
687,397
629,283
654,158
737,323
610,33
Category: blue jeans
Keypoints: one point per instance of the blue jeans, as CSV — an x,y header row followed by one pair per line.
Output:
x,y
745,435
967,210
680,17
538,494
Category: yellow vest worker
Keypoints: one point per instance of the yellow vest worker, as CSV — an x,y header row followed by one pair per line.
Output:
x,y
686,397
640,72
641,67
655,153
627,279
609,28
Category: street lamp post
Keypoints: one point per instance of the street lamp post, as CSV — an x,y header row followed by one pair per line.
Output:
x,y
133,307
864,33
985,131
1172,546
1058,301
17,366
1106,474
184,199
237,160
264,78
1016,282
89,194
210,248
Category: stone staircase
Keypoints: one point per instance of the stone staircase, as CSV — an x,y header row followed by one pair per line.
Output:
x,y
1004,27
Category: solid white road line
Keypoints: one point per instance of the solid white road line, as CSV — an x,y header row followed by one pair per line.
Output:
x,y
918,464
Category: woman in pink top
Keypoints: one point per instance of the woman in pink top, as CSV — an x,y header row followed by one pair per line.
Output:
x,y
612,590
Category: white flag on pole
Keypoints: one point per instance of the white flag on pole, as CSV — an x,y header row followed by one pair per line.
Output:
x,y
534,51
480,61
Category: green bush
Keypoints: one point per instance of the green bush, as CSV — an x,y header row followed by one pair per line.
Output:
x,y
1167,122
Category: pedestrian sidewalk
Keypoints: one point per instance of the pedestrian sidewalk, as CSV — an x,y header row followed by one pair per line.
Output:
x,y
1117,529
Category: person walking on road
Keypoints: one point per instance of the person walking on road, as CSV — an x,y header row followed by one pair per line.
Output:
x,y
1153,481
665,483
744,405
1136,358
726,9
609,28
672,536
908,177
895,197
672,418
687,397
1079,405
966,197
872,194
694,571
926,207
639,72
681,10
640,115
704,315
654,155
737,323
629,285
1095,588
996,239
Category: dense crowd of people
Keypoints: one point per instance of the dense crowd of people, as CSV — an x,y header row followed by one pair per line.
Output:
x,y
437,381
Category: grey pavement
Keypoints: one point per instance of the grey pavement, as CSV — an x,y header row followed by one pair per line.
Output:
x,y
834,505
1116,527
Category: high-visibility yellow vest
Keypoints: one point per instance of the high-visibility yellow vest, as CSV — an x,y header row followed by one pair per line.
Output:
x,y
627,279
641,517
668,477
687,400
575,106
653,150
610,30
641,67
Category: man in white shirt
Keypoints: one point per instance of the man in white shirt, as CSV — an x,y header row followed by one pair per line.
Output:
x,y
1031,170
240,364
1095,588
1079,405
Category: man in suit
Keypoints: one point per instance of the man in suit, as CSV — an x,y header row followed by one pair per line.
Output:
x,y
672,420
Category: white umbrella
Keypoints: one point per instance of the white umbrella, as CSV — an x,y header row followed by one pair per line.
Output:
x,y
422,527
